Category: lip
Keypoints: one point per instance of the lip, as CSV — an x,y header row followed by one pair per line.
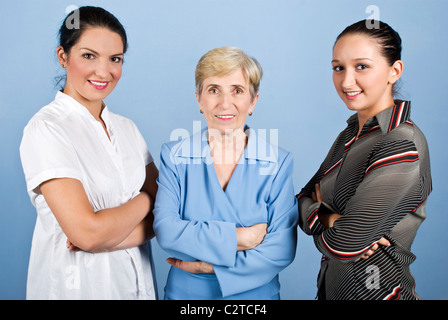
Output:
x,y
351,95
225,117
99,85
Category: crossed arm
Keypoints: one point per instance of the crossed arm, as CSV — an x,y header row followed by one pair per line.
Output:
x,y
389,190
121,227
247,238
328,219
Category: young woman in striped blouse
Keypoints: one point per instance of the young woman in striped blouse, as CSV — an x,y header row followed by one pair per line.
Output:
x,y
367,200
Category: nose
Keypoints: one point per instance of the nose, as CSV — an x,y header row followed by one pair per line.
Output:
x,y
349,79
102,69
226,100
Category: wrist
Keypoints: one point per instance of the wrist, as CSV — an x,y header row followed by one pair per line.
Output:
x,y
240,239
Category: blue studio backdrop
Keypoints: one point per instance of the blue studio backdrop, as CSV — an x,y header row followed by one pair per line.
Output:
x,y
292,39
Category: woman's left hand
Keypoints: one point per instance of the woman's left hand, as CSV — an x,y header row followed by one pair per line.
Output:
x,y
327,219
383,241
191,266
71,246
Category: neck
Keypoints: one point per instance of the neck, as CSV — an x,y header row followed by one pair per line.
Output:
x,y
95,107
227,147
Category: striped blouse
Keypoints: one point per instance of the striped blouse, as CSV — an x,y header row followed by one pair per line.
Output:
x,y
379,183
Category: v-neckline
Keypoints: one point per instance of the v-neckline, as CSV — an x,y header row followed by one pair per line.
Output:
x,y
212,168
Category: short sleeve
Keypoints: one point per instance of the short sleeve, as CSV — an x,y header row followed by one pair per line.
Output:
x,y
143,147
46,154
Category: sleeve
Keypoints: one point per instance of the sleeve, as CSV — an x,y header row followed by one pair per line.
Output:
x,y
47,154
211,241
256,267
308,209
390,189
142,145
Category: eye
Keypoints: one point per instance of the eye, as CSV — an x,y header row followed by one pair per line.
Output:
x,y
338,68
361,66
116,59
239,91
213,91
88,56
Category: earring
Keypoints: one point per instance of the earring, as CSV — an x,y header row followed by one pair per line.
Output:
x,y
250,113
200,110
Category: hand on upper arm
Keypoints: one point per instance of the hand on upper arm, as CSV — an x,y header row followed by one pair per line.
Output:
x,y
191,266
327,219
150,184
250,237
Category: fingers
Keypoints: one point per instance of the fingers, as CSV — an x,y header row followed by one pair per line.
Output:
x,y
262,228
191,266
383,242
262,231
188,266
71,246
369,252
317,195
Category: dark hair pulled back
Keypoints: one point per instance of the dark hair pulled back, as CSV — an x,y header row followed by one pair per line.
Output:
x,y
88,17
388,39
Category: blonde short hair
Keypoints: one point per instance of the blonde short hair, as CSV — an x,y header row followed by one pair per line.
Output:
x,y
224,60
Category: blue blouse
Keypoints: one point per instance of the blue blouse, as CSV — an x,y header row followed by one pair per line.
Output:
x,y
195,219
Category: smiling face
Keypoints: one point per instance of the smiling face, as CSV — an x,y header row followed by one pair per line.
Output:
x,y
94,66
362,76
226,101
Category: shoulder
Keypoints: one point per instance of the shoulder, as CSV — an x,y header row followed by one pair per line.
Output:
x,y
404,136
52,114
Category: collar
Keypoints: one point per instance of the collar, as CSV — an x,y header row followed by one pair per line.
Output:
x,y
392,117
75,105
257,147
387,119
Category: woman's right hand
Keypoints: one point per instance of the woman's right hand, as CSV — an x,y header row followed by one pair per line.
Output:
x,y
250,237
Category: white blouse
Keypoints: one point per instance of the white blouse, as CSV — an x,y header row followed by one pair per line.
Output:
x,y
64,140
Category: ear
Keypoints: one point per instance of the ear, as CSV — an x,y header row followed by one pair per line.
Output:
x,y
198,97
62,56
396,71
254,102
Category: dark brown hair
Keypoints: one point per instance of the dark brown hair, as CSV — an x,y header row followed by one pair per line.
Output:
x,y
88,17
388,39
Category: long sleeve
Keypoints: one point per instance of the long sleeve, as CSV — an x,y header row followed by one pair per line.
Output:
x,y
210,241
308,209
378,179
256,267
390,189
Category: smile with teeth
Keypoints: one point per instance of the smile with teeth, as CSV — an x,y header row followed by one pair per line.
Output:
x,y
353,93
226,116
99,84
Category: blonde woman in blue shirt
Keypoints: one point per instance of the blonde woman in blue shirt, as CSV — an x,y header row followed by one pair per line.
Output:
x,y
225,212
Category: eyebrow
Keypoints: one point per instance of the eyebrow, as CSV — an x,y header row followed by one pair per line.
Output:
x,y
233,85
97,53
357,59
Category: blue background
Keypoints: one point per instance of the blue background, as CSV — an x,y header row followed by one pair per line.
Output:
x,y
292,40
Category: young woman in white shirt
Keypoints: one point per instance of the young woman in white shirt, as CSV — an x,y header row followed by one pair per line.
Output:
x,y
90,176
